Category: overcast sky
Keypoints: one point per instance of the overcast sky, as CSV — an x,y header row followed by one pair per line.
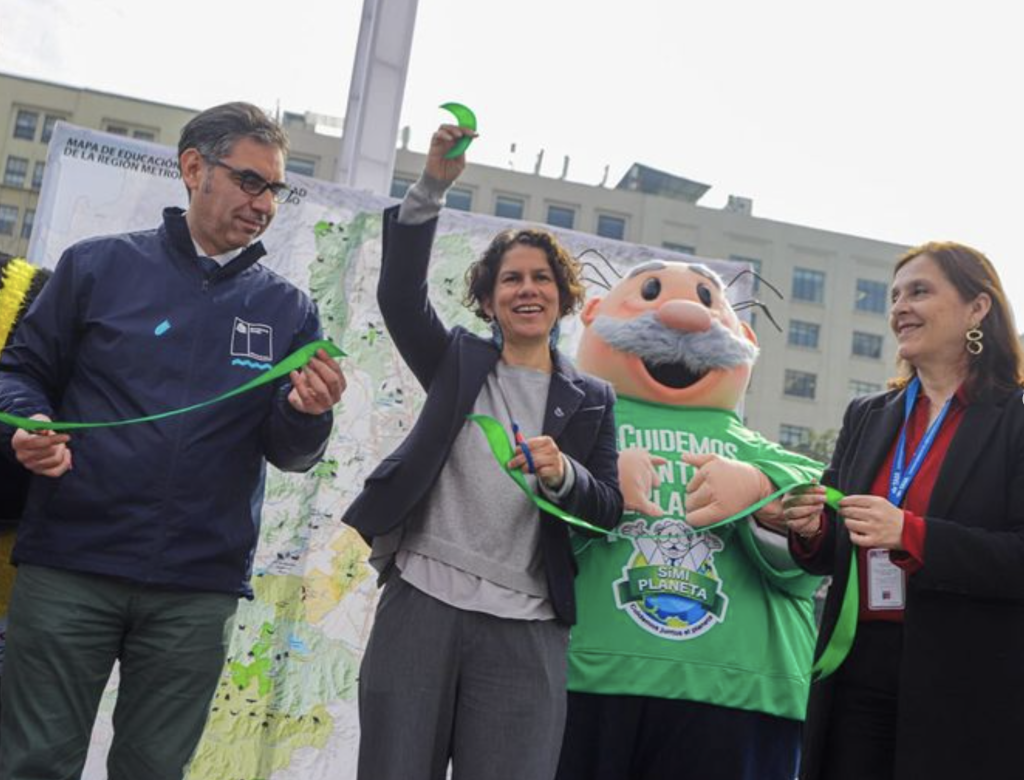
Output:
x,y
895,120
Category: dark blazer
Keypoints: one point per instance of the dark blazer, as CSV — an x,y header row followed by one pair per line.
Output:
x,y
961,696
452,365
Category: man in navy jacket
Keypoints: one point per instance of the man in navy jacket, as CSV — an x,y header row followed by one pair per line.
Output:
x,y
137,541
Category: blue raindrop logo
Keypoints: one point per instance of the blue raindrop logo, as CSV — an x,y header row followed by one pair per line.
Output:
x,y
162,328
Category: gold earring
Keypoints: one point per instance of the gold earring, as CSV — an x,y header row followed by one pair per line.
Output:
x,y
974,337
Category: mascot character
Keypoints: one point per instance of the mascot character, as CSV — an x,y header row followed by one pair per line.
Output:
x,y
693,649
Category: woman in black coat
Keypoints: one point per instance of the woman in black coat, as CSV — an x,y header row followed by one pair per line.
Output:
x,y
466,662
933,472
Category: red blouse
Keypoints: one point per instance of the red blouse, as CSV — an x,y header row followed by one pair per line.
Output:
x,y
915,503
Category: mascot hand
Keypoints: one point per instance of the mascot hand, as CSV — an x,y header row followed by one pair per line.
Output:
x,y
721,488
637,478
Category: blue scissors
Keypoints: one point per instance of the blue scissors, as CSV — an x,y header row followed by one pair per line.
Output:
x,y
521,441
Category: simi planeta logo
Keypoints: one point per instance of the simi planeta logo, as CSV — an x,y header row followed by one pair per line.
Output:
x,y
670,587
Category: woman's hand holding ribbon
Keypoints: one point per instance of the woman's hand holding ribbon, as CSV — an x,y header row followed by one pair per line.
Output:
x,y
873,522
547,461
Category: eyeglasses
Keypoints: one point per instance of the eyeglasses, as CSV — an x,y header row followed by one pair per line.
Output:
x,y
251,183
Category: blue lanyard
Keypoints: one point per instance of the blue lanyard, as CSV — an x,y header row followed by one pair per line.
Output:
x,y
900,480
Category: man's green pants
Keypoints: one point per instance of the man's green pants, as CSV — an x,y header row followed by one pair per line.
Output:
x,y
65,631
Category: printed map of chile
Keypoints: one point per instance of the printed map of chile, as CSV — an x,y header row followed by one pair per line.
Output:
x,y
667,610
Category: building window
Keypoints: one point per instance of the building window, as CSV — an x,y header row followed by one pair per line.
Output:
x,y
808,285
400,185
48,125
26,224
871,296
611,227
561,216
509,207
8,218
37,174
803,334
794,435
867,345
25,124
301,166
686,249
460,199
755,264
15,172
800,384
120,128
858,388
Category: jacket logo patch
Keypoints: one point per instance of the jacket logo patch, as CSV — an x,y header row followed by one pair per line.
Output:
x,y
669,586
252,345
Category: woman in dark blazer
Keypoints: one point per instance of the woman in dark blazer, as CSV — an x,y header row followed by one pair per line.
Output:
x,y
933,686
466,660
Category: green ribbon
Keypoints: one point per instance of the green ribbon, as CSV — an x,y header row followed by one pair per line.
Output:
x,y
293,362
839,643
503,452
467,120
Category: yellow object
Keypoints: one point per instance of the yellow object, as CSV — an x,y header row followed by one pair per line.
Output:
x,y
15,283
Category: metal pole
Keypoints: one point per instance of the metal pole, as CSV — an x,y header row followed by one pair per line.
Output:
x,y
367,157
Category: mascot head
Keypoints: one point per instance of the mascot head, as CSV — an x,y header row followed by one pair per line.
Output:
x,y
666,333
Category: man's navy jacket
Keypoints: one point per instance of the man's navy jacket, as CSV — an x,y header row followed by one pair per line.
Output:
x,y
132,325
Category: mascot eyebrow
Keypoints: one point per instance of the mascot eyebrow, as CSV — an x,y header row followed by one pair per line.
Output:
x,y
660,265
645,267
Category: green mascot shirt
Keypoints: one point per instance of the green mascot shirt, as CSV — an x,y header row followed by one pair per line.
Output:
x,y
676,613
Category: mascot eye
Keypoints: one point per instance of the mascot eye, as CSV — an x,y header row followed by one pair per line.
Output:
x,y
704,293
651,288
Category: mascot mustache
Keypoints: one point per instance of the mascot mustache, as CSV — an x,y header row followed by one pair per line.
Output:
x,y
657,344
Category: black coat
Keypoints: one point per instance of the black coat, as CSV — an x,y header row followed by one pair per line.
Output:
x,y
13,491
452,365
961,679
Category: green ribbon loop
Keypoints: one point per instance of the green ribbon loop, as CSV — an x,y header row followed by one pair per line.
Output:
x,y
466,120
293,362
503,452
839,643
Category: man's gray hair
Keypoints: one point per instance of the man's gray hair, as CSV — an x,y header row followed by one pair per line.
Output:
x,y
213,133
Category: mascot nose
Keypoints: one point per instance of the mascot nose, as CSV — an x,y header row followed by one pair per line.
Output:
x,y
684,315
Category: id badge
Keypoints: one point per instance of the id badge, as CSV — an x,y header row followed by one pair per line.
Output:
x,y
885,581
